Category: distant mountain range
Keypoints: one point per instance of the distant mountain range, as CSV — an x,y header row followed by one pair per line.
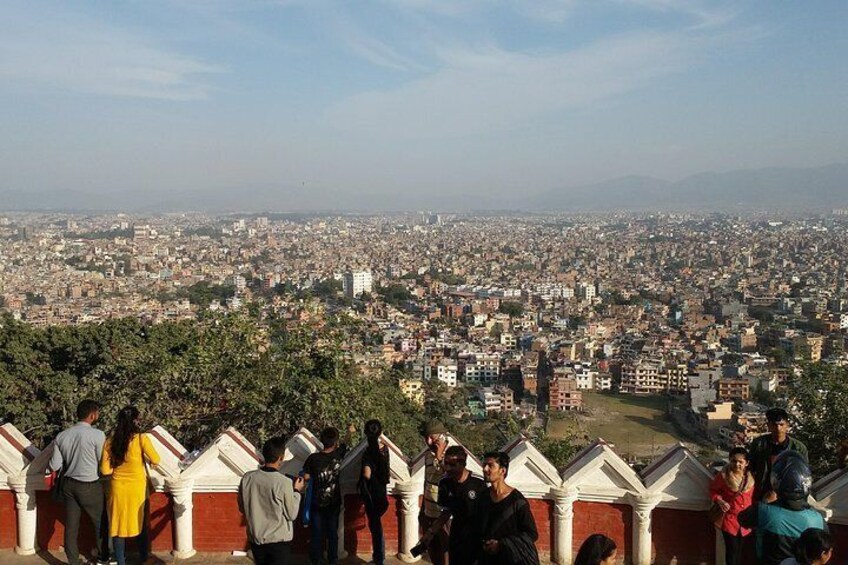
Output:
x,y
776,188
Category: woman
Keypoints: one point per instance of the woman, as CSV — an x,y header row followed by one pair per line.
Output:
x,y
598,549
814,547
123,458
732,490
373,479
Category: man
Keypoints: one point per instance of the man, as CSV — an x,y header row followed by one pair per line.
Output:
x,y
509,530
779,524
269,501
76,453
323,468
765,449
460,497
435,435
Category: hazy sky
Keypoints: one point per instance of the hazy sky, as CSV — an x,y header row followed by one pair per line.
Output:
x,y
397,95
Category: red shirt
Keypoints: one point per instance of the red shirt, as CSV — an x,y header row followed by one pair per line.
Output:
x,y
738,502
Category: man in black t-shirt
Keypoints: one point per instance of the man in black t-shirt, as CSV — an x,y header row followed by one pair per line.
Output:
x,y
460,496
323,469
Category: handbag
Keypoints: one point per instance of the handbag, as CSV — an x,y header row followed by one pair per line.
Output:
x,y
57,486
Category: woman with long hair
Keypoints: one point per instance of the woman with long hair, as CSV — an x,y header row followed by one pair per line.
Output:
x,y
373,479
732,491
124,457
597,549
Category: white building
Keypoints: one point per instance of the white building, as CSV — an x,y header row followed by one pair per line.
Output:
x,y
482,369
355,283
447,371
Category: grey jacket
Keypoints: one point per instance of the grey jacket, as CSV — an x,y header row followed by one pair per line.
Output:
x,y
269,503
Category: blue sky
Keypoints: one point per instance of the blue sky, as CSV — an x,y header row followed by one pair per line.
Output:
x,y
377,96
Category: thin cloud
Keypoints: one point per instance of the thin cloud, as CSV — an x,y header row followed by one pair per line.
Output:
x,y
69,52
494,90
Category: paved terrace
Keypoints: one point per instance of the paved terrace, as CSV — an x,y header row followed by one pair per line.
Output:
x,y
656,516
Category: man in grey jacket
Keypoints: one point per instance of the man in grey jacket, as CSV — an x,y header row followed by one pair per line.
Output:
x,y
269,501
76,453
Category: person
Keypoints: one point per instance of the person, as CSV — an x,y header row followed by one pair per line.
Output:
x,y
460,496
766,448
814,547
269,501
597,549
509,530
374,477
124,457
779,524
324,467
435,435
76,454
733,491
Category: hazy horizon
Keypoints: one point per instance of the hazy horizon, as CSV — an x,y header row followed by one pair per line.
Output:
x,y
392,99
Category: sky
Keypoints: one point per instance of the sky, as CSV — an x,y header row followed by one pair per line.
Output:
x,y
478,97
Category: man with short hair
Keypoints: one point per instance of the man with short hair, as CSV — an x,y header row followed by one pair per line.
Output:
x,y
269,501
460,497
323,468
509,529
76,455
435,435
765,449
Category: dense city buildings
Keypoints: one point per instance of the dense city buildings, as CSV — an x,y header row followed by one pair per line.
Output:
x,y
715,313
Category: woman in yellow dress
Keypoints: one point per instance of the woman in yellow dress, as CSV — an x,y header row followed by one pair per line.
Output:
x,y
124,456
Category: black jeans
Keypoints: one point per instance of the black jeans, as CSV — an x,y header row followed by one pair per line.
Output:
x,y
271,553
88,497
732,548
375,525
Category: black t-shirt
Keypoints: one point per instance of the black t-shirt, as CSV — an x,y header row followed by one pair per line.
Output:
x,y
512,524
463,500
378,461
323,469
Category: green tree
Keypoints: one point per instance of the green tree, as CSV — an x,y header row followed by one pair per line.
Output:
x,y
820,401
511,308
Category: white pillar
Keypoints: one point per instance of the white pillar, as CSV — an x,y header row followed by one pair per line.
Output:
x,y
181,490
408,535
26,509
643,505
564,499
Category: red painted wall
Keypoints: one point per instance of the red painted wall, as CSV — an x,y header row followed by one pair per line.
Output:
x,y
8,520
543,514
218,524
50,530
161,522
613,520
684,535
357,536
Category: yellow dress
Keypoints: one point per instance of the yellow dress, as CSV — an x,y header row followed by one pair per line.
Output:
x,y
128,492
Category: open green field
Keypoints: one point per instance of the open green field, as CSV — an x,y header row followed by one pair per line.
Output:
x,y
637,425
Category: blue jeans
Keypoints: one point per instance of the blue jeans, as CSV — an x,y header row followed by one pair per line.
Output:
x,y
378,543
325,525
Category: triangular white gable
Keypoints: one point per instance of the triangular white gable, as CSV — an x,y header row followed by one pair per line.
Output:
x,y
398,466
417,466
300,446
529,470
16,452
221,465
171,455
601,475
680,478
831,492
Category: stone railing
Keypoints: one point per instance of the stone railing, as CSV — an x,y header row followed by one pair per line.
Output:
x,y
657,516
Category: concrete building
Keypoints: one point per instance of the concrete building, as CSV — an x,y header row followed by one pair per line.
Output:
x,y
354,283
564,395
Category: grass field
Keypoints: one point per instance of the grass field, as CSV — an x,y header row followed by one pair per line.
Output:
x,y
637,425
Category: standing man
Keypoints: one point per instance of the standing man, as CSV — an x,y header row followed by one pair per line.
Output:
x,y
269,501
460,496
435,435
324,467
765,449
77,452
509,529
